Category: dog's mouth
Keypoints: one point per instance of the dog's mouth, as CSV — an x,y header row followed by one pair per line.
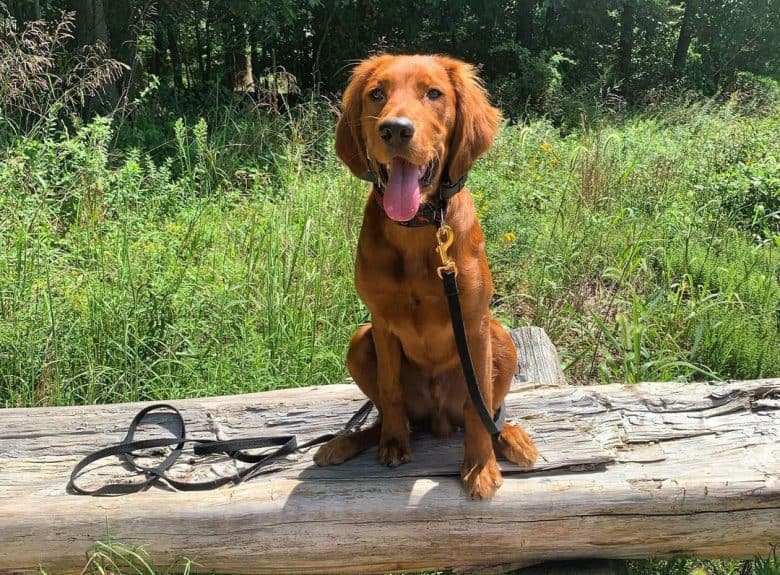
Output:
x,y
403,182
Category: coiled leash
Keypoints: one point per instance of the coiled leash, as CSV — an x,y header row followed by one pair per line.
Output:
x,y
233,448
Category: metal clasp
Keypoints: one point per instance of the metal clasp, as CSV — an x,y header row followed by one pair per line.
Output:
x,y
445,237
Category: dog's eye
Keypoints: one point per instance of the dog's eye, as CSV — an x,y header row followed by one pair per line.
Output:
x,y
377,95
433,94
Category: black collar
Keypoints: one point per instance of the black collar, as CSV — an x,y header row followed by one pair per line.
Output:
x,y
429,213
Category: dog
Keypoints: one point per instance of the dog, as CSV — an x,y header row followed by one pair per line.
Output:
x,y
415,124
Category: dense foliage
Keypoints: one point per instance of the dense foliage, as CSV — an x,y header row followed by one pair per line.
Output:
x,y
601,54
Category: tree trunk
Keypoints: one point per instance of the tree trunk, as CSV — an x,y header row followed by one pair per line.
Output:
x,y
321,27
121,38
208,68
524,26
24,11
91,24
157,65
549,22
238,64
172,32
200,54
686,34
651,469
91,29
626,42
254,49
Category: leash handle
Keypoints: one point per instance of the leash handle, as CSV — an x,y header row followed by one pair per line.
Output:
x,y
234,448
493,424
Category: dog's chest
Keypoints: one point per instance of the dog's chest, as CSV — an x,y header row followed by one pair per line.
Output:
x,y
404,292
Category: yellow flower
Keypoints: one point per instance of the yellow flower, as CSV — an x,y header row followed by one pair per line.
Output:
x,y
174,228
546,147
508,237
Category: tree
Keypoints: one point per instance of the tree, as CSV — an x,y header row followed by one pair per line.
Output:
x,y
24,11
119,15
524,24
684,39
626,41
91,36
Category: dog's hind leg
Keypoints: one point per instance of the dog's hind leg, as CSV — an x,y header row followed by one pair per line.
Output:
x,y
362,366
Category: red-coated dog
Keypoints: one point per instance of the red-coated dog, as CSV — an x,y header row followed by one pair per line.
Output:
x,y
418,123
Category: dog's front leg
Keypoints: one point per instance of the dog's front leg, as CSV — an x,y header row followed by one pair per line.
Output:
x,y
480,473
394,445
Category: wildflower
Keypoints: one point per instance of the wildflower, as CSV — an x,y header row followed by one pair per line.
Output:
x,y
508,237
546,147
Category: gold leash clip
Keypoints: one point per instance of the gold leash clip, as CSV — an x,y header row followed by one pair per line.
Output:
x,y
445,237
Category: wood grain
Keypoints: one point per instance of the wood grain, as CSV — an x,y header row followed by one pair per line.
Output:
x,y
653,469
537,358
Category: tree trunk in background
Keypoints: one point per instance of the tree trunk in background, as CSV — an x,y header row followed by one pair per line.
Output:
x,y
24,11
157,64
91,28
549,21
321,24
686,34
524,26
210,31
172,34
121,38
91,24
238,64
254,49
626,42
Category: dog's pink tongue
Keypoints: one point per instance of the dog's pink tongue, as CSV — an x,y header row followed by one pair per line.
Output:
x,y
402,196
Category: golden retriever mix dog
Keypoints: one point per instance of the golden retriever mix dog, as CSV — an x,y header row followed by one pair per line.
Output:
x,y
415,125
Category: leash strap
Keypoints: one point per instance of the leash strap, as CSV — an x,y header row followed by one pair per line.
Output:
x,y
491,423
233,448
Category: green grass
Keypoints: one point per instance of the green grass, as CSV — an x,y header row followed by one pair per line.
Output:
x,y
621,242
113,558
120,281
222,261
760,565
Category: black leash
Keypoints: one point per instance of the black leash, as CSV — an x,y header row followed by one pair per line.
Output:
x,y
233,448
448,272
493,424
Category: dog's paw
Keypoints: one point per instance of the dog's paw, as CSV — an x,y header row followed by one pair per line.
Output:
x,y
517,446
394,451
481,480
334,452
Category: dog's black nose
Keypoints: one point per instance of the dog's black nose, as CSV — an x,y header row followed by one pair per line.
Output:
x,y
396,130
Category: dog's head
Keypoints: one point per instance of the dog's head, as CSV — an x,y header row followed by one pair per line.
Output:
x,y
413,121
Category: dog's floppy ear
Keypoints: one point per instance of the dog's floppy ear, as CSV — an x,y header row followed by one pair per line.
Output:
x,y
350,144
476,122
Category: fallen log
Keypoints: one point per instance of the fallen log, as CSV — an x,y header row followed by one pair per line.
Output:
x,y
654,469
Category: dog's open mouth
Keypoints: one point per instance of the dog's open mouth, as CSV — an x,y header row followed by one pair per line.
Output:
x,y
403,182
